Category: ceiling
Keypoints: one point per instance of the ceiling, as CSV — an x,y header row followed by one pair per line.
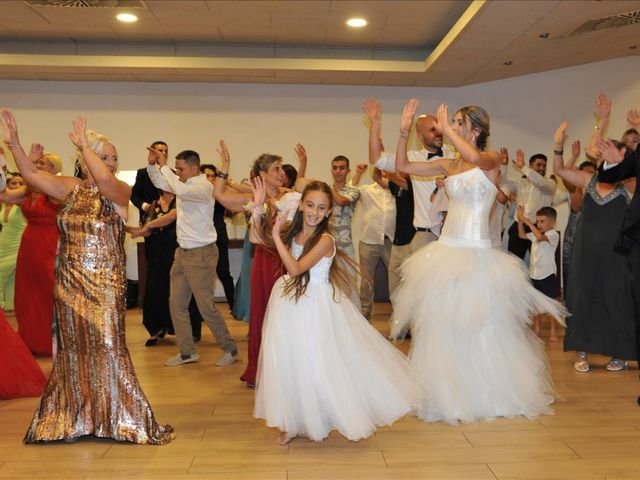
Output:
x,y
422,43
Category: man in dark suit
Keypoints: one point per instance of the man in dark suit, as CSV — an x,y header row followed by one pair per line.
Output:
x,y
144,192
619,165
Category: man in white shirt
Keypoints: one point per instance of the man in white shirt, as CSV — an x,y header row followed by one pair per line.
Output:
x,y
378,227
426,220
500,213
194,266
534,192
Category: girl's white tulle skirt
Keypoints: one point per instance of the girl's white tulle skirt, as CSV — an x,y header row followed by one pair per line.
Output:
x,y
323,367
469,310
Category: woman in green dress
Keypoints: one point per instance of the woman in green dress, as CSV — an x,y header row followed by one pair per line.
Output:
x,y
13,224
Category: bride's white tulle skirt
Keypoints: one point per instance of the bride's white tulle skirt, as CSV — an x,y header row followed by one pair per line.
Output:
x,y
323,367
469,310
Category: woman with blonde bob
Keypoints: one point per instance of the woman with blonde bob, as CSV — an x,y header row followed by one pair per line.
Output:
x,y
93,389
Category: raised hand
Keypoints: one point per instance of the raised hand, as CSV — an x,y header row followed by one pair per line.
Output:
x,y
79,135
301,153
610,153
519,160
259,192
633,118
36,152
277,224
558,137
575,150
361,168
223,151
9,128
603,107
372,109
504,156
442,116
156,157
408,113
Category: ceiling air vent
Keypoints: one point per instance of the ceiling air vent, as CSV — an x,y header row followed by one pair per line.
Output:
x,y
86,3
614,21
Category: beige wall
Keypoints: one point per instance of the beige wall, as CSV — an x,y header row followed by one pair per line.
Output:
x,y
255,118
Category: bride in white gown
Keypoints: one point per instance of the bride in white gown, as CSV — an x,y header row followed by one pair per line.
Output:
x,y
469,305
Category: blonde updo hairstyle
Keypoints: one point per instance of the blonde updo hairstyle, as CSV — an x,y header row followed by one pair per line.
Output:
x,y
96,142
54,160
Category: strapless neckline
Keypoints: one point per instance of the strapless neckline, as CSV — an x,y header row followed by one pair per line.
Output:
x,y
471,197
474,169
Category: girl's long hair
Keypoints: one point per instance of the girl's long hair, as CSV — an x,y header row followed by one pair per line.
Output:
x,y
343,270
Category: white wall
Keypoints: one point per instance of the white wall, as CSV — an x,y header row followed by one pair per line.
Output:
x,y
255,118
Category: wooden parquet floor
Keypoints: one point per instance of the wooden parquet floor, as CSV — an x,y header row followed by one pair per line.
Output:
x,y
594,433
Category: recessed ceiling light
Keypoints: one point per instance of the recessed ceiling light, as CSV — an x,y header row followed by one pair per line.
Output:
x,y
357,22
127,17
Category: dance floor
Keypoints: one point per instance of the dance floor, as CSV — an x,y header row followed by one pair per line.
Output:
x,y
594,433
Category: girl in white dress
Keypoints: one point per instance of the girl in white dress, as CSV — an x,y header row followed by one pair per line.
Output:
x,y
469,305
322,366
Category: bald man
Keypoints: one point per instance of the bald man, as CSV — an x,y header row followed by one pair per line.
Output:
x,y
427,220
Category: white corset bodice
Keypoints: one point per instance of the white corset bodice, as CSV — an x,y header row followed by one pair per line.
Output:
x,y
320,271
471,196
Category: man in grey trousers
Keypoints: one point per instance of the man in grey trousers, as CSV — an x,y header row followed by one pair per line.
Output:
x,y
194,265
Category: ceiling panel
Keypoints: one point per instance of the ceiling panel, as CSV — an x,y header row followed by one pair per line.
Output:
x,y
298,34
17,13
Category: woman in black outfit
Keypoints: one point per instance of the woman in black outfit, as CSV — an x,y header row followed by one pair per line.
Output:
x,y
160,246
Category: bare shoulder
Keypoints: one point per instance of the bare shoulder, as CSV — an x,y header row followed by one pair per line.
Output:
x,y
327,243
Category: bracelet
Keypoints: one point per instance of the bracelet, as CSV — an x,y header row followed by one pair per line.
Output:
x,y
12,145
258,209
404,134
222,175
558,152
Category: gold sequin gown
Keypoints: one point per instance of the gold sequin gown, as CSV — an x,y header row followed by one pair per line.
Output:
x,y
93,389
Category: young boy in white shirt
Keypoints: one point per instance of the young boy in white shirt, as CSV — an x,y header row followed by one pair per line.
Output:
x,y
543,270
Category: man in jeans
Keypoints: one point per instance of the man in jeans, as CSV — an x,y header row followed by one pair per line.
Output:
x,y
194,266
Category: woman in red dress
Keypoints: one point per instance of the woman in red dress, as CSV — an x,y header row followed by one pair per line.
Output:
x,y
36,258
20,374
266,267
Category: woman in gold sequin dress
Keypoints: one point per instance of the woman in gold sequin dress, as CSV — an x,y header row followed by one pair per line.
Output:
x,y
93,389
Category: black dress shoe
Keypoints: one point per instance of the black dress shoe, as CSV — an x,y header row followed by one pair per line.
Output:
x,y
151,342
